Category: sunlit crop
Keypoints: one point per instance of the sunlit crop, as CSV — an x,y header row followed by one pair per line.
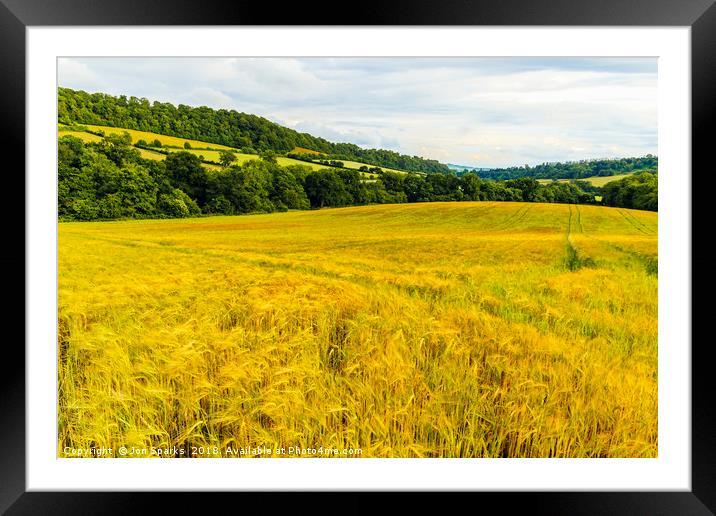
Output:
x,y
476,329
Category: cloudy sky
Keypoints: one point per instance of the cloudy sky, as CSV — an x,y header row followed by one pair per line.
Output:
x,y
482,112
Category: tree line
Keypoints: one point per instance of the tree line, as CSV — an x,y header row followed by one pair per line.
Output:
x,y
639,191
576,169
110,180
250,133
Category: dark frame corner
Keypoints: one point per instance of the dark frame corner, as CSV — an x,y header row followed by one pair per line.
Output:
x,y
17,15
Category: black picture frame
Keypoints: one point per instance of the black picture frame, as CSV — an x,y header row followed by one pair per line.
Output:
x,y
16,15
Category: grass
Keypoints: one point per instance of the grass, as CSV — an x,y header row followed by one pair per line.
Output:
x,y
214,155
596,180
85,137
148,154
285,162
145,153
601,181
355,165
303,150
241,158
150,137
420,330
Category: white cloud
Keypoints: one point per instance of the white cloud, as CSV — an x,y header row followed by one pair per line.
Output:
x,y
210,97
73,73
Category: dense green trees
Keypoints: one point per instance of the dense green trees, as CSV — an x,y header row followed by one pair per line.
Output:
x,y
325,188
444,187
176,204
103,182
227,157
287,192
227,127
110,180
575,169
638,191
470,186
185,172
417,189
247,188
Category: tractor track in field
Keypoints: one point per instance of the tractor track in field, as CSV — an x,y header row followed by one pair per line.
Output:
x,y
505,222
514,218
477,213
648,262
522,216
580,228
636,224
509,222
573,259
649,230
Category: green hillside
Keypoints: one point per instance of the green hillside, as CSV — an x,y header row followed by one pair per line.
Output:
x,y
224,127
209,153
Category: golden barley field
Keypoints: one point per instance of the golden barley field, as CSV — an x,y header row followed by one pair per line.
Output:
x,y
476,329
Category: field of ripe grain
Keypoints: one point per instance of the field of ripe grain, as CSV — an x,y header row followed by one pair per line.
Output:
x,y
85,137
149,154
303,150
473,329
150,137
285,162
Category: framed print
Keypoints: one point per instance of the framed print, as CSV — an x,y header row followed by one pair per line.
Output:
x,y
417,253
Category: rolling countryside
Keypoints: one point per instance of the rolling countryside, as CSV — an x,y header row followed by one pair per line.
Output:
x,y
209,153
311,281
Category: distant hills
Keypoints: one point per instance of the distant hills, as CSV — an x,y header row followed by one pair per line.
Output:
x,y
465,168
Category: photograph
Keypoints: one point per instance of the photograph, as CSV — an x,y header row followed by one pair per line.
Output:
x,y
357,257
424,252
